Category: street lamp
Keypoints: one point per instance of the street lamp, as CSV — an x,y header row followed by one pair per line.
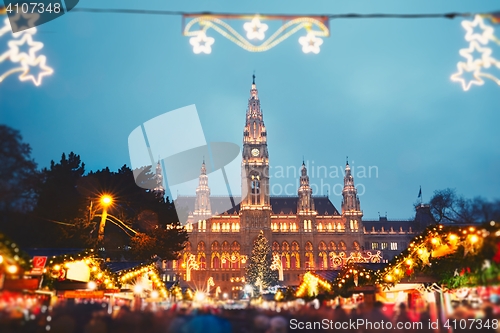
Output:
x,y
106,200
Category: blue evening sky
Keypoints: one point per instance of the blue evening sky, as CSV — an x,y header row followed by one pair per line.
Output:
x,y
379,91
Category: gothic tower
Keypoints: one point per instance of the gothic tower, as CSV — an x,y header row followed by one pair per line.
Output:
x,y
305,204
350,203
202,209
159,190
255,207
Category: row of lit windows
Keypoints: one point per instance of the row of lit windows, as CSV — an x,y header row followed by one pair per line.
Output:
x,y
393,246
281,227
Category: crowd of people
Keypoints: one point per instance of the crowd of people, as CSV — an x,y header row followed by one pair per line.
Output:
x,y
95,317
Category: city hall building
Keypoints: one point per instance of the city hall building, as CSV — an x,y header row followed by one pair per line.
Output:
x,y
305,232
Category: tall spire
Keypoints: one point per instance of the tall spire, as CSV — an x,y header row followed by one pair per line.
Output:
x,y
350,200
159,190
305,204
202,207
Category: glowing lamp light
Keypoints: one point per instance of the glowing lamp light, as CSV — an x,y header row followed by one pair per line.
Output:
x,y
434,241
255,29
310,43
201,43
91,285
1,259
409,262
154,294
199,296
474,239
138,289
12,269
106,200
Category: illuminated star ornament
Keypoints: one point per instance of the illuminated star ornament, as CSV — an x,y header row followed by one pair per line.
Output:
x,y
22,52
478,33
198,26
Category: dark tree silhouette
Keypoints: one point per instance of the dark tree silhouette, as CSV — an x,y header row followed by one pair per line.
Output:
x,y
448,207
18,174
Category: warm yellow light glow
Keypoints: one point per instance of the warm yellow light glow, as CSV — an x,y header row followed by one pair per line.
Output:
x,y
388,278
106,200
285,31
12,269
409,262
154,294
1,259
453,237
474,239
469,68
485,34
434,241
201,43
138,289
255,29
91,285
310,43
25,59
199,296
57,267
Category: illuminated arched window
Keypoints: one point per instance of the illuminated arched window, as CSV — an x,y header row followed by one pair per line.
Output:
x,y
320,226
322,246
235,246
332,246
187,248
225,246
189,227
285,247
293,226
342,246
322,260
215,246
294,260
356,246
201,246
295,246
309,246
276,246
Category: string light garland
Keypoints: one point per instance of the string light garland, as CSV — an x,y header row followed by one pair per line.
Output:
x,y
150,271
315,26
23,63
478,33
58,267
311,284
12,259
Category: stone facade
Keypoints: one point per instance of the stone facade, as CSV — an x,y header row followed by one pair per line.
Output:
x,y
306,232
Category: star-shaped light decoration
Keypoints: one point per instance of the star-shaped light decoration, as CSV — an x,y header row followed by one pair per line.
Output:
x,y
465,67
255,29
44,70
17,56
22,21
201,43
310,43
485,61
484,36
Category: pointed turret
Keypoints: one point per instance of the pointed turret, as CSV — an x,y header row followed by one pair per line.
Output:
x,y
350,202
202,208
159,190
305,204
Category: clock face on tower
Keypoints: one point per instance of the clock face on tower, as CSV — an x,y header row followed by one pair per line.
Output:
x,y
255,152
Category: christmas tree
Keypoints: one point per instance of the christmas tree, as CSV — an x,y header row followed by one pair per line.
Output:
x,y
258,272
